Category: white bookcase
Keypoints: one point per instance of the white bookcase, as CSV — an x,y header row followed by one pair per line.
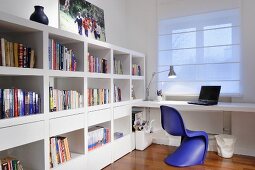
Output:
x,y
27,138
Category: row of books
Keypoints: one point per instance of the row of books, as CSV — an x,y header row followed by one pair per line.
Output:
x,y
17,102
59,151
14,54
136,70
64,99
117,94
60,57
10,163
98,96
118,68
97,65
98,136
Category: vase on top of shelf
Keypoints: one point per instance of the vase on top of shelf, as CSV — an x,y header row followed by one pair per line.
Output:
x,y
39,16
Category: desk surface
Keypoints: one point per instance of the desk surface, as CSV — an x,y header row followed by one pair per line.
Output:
x,y
184,106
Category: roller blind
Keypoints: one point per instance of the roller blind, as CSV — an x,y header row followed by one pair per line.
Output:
x,y
204,50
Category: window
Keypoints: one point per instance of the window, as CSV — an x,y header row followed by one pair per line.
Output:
x,y
204,50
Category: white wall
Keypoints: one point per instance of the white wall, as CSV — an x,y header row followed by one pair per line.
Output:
x,y
142,31
114,10
242,123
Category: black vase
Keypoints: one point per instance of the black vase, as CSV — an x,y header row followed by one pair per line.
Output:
x,y
39,15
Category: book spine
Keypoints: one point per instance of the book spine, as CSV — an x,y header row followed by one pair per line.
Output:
x,y
54,55
11,102
16,54
21,103
27,99
20,47
1,104
50,54
16,111
67,151
6,103
31,107
7,53
0,61
37,103
28,57
3,51
11,55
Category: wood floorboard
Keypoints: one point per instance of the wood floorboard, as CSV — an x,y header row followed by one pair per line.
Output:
x,y
152,158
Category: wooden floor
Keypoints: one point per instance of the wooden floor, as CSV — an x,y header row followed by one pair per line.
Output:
x,y
152,159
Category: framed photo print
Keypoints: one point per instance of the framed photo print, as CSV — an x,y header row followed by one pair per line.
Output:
x,y
82,17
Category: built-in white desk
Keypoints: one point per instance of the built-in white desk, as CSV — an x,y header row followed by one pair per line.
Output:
x,y
243,129
184,106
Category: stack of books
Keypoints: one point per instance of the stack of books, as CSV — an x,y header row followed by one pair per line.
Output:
x,y
16,55
60,57
59,151
64,99
136,70
16,102
97,65
117,94
9,163
98,96
98,136
118,69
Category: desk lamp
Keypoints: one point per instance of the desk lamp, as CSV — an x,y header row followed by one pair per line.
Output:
x,y
171,75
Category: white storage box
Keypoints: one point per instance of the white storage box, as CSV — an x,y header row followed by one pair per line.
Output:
x,y
142,140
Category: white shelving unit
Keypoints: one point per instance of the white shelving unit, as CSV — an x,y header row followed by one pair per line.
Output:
x,y
27,138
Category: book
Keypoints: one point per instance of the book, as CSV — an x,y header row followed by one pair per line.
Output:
x,y
1,104
15,54
16,111
7,53
20,55
11,55
3,51
6,103
32,59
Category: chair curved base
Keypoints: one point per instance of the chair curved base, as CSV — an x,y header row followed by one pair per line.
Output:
x,y
190,152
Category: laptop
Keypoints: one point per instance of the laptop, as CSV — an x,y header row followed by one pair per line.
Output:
x,y
209,95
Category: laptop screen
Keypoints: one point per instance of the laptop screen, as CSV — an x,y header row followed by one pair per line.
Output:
x,y
210,93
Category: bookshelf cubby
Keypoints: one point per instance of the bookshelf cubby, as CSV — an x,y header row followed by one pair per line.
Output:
x,y
35,152
138,89
124,86
27,137
138,61
76,46
100,53
121,63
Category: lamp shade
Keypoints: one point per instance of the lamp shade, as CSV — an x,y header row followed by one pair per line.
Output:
x,y
171,73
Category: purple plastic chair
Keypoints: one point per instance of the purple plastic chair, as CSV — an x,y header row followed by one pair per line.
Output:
x,y
194,144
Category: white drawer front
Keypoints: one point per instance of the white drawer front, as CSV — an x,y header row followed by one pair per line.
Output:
x,y
99,158
76,163
122,146
99,116
21,134
66,124
121,111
